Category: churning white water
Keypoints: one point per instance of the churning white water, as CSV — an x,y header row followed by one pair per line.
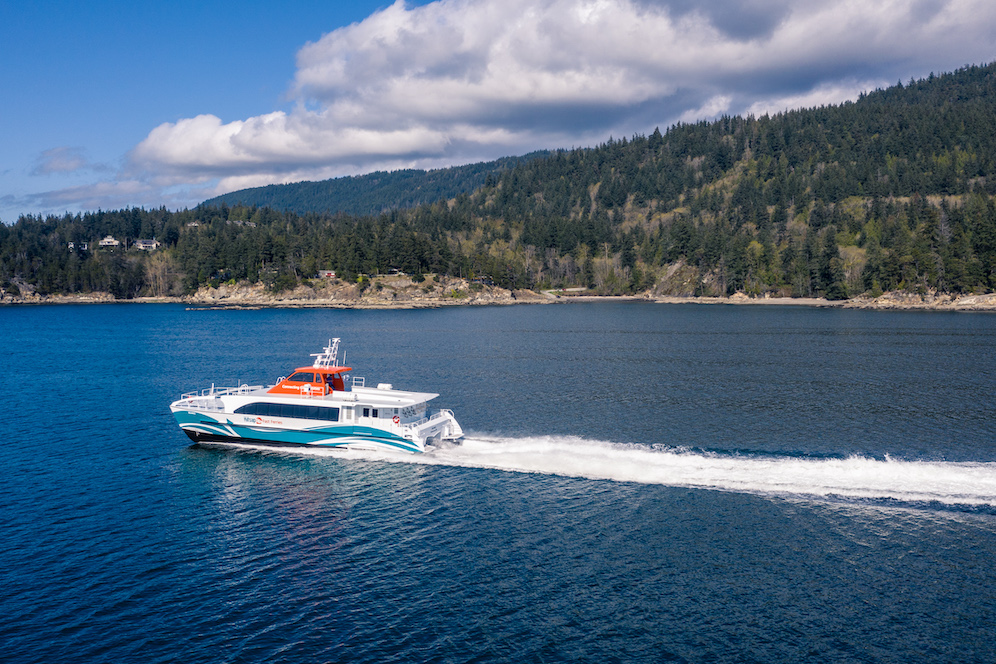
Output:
x,y
855,477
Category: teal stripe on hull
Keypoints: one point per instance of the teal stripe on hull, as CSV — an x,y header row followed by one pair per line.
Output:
x,y
207,427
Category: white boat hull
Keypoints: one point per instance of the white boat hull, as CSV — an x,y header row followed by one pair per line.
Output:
x,y
212,418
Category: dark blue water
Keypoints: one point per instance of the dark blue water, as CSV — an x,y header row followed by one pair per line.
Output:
x,y
640,483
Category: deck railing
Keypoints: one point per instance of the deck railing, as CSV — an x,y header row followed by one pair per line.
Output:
x,y
434,415
221,391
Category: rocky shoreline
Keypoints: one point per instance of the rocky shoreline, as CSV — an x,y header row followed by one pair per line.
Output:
x,y
893,300
401,292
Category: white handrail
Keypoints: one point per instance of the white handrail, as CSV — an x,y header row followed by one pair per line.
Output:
x,y
214,391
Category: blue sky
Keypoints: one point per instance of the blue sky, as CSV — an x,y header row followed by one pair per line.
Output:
x,y
114,104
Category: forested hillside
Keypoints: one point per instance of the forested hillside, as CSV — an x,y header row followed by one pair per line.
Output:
x,y
893,191
372,193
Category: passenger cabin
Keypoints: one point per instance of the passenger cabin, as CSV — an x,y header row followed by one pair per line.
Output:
x,y
312,381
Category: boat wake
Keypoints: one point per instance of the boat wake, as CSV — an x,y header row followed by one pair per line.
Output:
x,y
923,483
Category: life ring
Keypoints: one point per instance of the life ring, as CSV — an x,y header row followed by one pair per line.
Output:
x,y
397,420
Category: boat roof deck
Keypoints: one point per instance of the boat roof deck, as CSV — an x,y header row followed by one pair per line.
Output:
x,y
370,396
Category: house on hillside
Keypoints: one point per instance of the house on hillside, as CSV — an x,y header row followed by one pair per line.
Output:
x,y
147,245
326,274
109,241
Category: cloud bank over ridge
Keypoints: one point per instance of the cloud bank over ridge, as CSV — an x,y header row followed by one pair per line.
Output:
x,y
457,81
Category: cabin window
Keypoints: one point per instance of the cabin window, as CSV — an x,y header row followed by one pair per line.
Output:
x,y
302,377
290,411
373,413
327,413
366,412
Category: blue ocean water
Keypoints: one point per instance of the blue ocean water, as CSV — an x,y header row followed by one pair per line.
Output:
x,y
639,483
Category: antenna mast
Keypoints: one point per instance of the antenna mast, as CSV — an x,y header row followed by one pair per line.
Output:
x,y
327,359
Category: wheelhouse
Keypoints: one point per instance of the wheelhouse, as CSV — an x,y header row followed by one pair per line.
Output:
x,y
313,381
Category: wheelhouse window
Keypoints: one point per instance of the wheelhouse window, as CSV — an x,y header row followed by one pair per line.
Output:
x,y
301,377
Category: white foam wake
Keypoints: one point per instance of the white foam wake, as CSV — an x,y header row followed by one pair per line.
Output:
x,y
949,483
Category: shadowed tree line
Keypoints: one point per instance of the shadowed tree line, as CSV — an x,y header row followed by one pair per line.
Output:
x,y
372,193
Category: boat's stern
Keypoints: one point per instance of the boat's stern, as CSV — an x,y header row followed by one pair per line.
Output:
x,y
439,426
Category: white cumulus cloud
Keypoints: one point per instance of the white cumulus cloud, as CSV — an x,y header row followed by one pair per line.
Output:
x,y
461,80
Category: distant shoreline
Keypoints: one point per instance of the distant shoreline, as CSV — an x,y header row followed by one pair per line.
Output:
x,y
257,299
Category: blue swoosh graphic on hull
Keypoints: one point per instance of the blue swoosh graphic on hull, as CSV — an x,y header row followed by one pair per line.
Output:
x,y
326,436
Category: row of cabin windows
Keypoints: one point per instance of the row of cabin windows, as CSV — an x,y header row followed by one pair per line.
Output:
x,y
290,410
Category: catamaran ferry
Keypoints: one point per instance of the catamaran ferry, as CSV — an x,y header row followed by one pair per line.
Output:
x,y
320,405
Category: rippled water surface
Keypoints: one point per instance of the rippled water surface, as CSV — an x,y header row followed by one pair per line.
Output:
x,y
639,483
